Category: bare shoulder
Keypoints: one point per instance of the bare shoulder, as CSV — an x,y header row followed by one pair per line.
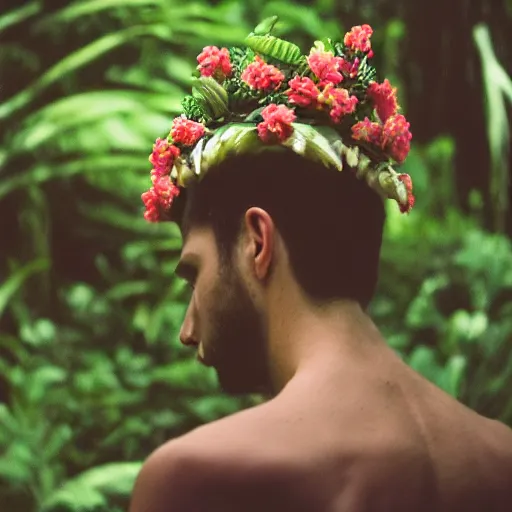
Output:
x,y
222,466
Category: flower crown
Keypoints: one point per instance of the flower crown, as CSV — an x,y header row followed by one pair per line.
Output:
x,y
326,106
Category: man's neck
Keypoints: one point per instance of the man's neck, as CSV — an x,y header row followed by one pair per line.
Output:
x,y
305,338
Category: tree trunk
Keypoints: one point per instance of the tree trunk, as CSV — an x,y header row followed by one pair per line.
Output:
x,y
444,77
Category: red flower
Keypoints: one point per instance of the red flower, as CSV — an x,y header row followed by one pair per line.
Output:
x,y
277,123
303,92
339,102
396,137
405,178
150,200
358,39
260,75
159,198
214,62
384,98
185,131
325,66
163,156
348,68
366,131
343,103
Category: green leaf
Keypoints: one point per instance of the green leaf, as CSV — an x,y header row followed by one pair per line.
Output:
x,y
109,215
315,143
423,360
87,108
212,96
19,15
469,326
230,140
265,27
306,19
77,60
128,289
239,138
75,497
453,374
58,438
185,375
39,382
498,92
79,10
325,45
8,423
16,280
211,408
43,173
275,48
15,464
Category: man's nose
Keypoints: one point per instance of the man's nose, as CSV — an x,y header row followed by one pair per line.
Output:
x,y
187,336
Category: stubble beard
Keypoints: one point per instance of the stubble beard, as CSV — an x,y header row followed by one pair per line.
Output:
x,y
238,341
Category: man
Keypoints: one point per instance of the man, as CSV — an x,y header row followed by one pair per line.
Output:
x,y
282,256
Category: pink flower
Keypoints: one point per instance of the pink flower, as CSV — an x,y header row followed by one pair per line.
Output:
x,y
367,131
349,69
150,200
396,137
325,66
185,131
163,156
260,75
159,198
343,104
384,98
277,123
214,62
339,102
303,92
405,178
358,39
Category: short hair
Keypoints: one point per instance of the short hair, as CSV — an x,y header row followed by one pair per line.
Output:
x,y
331,222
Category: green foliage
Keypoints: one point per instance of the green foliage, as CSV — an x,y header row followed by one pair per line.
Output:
x,y
90,309
498,95
103,488
92,376
211,96
365,73
315,143
275,48
194,110
265,27
457,328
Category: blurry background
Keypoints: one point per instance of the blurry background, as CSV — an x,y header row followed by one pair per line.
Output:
x,y
92,376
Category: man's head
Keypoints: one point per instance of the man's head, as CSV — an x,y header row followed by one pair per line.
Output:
x,y
247,217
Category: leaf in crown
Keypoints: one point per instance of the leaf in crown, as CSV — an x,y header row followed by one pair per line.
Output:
x,y
265,27
315,143
211,97
275,48
233,139
241,103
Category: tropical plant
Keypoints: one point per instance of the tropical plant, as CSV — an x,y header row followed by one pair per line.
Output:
x,y
92,377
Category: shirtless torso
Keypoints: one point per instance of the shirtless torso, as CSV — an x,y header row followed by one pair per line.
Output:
x,y
369,439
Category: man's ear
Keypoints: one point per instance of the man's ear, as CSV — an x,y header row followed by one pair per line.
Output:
x,y
261,239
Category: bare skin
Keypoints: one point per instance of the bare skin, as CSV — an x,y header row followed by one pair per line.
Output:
x,y
349,426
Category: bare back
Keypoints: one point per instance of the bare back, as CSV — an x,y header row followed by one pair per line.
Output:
x,y
377,441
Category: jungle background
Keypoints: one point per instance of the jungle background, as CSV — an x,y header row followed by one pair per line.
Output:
x,y
92,375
